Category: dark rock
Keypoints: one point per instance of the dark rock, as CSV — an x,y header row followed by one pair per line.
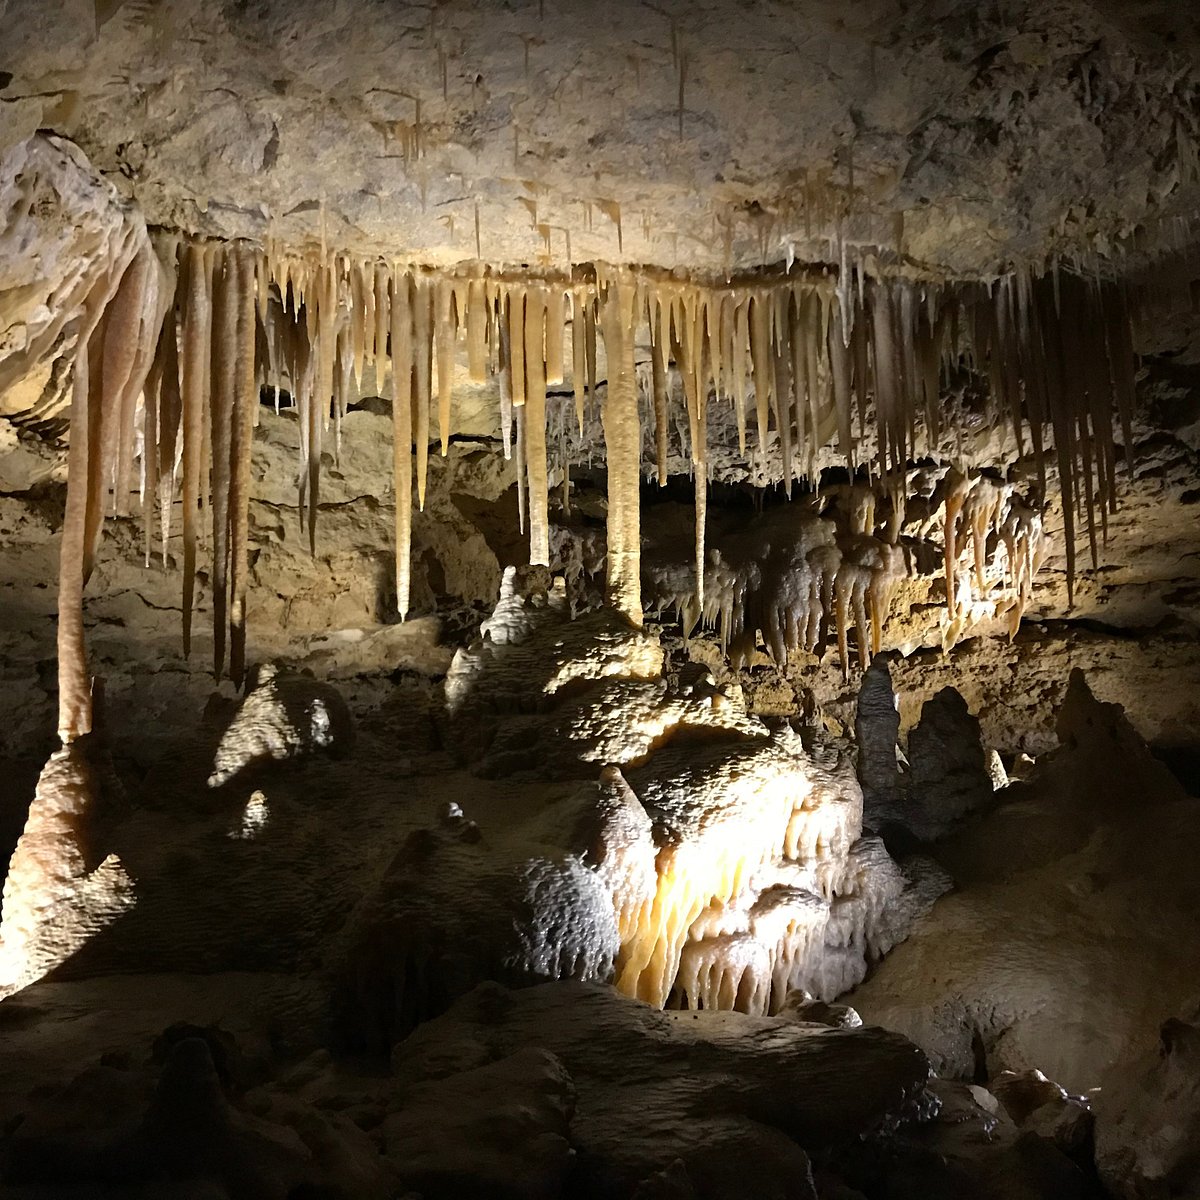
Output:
x,y
732,1098
1022,1092
497,1130
876,732
949,776
1148,1124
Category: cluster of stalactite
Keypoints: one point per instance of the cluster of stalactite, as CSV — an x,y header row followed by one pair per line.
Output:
x,y
804,574
176,344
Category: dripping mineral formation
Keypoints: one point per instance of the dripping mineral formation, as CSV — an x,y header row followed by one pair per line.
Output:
x,y
538,537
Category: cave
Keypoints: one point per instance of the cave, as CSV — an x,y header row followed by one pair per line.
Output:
x,y
599,600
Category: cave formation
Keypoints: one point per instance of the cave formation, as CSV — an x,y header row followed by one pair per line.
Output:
x,y
599,600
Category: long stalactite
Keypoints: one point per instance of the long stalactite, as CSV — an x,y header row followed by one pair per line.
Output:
x,y
175,350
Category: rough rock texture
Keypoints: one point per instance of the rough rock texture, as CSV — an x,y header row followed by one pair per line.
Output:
x,y
501,1129
62,888
988,134
62,225
283,717
1074,920
948,775
876,734
184,1135
1148,1124
754,1092
970,1148
720,866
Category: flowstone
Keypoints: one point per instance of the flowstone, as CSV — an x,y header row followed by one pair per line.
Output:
x,y
665,839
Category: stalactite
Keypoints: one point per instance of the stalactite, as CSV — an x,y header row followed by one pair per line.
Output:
x,y
245,403
579,368
534,424
379,313
318,407
74,681
221,415
362,327
132,361
522,474
197,332
446,326
423,353
477,324
1057,353
623,448
741,343
170,411
956,486
589,332
762,363
402,434
555,320
504,364
839,366
661,397
782,385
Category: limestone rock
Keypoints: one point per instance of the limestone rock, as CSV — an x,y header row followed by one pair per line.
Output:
x,y
706,132
1148,1123
62,225
716,863
1024,1092
754,1090
61,888
876,733
284,716
121,1129
1044,956
498,1130
948,776
964,1150
457,905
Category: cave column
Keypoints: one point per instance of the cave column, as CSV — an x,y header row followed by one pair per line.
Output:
x,y
622,446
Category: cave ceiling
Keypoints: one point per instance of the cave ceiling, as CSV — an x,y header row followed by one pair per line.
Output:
x,y
947,137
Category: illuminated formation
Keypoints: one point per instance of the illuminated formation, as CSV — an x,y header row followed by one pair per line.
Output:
x,y
177,340
718,863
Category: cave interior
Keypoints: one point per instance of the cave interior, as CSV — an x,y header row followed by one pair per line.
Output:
x,y
600,600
